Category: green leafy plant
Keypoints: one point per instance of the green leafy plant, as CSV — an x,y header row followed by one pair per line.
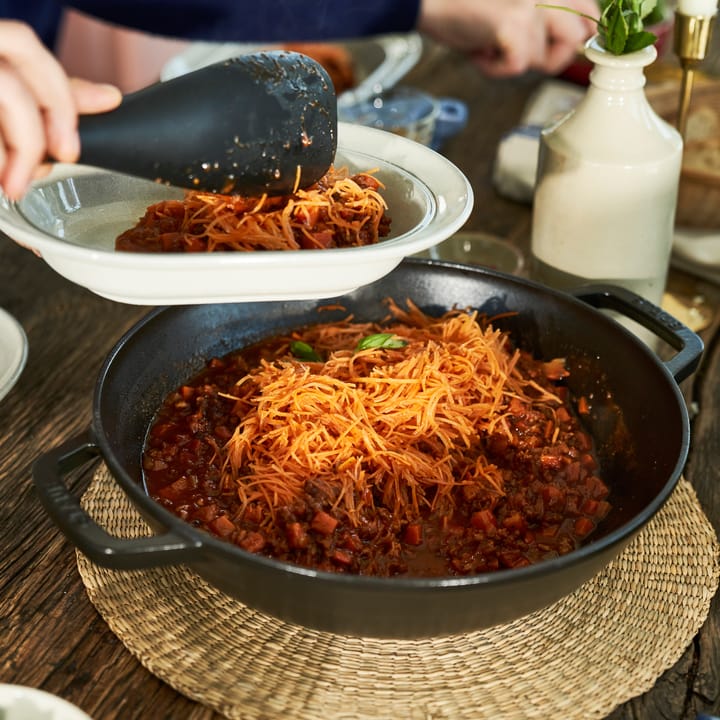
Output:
x,y
621,25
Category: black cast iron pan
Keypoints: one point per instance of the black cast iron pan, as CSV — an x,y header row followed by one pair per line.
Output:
x,y
643,444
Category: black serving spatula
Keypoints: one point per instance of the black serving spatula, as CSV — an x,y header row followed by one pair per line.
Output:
x,y
247,125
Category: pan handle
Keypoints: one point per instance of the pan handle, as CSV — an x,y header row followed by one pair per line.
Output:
x,y
92,540
689,344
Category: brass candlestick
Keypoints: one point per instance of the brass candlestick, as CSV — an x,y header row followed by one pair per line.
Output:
x,y
692,35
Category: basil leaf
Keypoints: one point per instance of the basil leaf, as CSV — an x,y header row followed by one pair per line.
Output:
x,y
380,340
640,40
650,10
621,23
303,351
616,30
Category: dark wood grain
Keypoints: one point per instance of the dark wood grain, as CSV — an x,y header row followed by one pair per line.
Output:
x,y
50,635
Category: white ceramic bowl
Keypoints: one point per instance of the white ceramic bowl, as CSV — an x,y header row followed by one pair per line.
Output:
x,y
378,62
18,702
73,216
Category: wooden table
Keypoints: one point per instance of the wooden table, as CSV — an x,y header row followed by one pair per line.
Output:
x,y
51,636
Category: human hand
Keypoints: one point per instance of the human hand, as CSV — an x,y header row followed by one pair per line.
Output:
x,y
510,37
39,107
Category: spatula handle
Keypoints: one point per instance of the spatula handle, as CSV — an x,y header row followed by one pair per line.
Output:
x,y
247,125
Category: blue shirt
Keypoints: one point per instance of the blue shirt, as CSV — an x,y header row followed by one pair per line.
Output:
x,y
228,20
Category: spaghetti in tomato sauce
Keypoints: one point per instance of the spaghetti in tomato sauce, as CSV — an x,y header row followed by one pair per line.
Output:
x,y
340,210
421,446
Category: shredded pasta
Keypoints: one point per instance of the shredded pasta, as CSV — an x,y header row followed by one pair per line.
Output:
x,y
404,422
415,446
340,210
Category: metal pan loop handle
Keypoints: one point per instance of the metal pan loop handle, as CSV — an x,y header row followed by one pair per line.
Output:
x,y
689,344
93,541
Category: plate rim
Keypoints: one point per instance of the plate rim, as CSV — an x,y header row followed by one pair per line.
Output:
x,y
13,332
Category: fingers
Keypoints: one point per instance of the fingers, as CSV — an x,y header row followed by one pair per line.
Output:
x,y
93,97
23,134
29,72
566,34
39,107
551,53
46,81
520,45
510,37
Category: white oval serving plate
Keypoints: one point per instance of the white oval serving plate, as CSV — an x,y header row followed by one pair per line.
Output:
x,y
73,216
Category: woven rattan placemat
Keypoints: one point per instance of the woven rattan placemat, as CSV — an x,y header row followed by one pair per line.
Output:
x,y
580,658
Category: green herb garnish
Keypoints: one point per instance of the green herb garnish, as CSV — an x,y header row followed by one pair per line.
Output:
x,y
380,340
621,25
303,351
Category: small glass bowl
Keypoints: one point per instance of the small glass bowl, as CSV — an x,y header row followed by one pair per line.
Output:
x,y
403,111
477,248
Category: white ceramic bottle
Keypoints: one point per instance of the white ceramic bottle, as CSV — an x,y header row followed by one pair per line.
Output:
x,y
607,183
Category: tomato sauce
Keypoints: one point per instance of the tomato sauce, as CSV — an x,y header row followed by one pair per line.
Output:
x,y
553,496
